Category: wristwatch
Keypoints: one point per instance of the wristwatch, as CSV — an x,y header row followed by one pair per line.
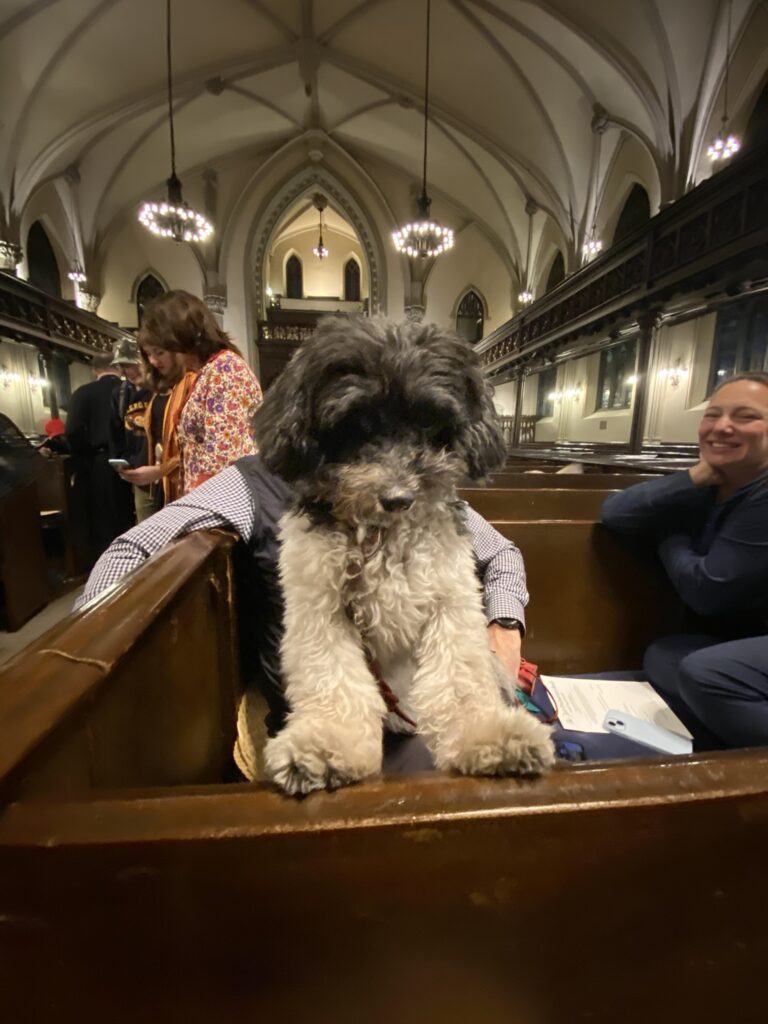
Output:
x,y
506,623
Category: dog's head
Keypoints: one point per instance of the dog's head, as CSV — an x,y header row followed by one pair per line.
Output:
x,y
369,415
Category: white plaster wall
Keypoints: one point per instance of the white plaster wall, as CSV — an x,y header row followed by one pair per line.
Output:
x,y
504,396
322,278
134,250
472,261
674,412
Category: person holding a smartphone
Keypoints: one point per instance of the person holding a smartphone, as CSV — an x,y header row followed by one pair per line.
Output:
x,y
710,527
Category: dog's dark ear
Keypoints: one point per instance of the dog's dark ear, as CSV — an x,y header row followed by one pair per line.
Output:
x,y
480,440
281,425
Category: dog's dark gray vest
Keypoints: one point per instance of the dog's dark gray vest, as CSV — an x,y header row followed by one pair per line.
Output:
x,y
259,594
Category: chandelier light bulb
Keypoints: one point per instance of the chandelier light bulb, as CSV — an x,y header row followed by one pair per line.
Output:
x,y
591,248
525,297
175,219
724,146
76,274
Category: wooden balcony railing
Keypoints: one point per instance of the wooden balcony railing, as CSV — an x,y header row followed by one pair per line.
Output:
x,y
715,236
29,314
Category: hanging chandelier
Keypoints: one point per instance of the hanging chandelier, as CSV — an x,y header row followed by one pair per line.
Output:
x,y
526,296
173,218
320,202
423,237
592,244
725,144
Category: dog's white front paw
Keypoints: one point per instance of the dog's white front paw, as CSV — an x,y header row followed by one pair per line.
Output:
x,y
506,741
312,753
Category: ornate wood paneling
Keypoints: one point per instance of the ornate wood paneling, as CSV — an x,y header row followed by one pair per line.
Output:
x,y
28,314
716,235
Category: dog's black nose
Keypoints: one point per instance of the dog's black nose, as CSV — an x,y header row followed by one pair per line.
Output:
x,y
396,504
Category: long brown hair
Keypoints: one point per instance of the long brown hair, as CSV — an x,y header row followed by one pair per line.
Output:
x,y
180,322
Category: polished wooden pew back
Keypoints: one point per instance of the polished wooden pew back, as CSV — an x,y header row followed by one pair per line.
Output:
x,y
134,885
536,503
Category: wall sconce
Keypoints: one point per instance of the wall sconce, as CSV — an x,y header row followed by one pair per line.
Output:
x,y
8,377
558,396
674,374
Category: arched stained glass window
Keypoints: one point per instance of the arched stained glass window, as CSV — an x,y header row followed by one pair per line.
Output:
x,y
294,278
41,261
352,280
470,317
149,288
556,271
635,212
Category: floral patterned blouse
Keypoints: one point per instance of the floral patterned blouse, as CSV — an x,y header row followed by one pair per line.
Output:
x,y
215,425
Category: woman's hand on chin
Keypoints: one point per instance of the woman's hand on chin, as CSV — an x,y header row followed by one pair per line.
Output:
x,y
704,475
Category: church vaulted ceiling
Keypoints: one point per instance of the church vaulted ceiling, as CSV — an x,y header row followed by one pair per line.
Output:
x,y
514,87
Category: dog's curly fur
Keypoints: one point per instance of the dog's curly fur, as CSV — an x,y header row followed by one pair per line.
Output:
x,y
375,423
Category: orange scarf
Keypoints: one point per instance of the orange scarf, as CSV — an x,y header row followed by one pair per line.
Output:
x,y
171,464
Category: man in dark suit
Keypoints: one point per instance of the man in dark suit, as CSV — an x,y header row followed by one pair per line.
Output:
x,y
103,503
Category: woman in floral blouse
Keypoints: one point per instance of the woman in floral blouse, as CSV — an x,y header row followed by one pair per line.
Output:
x,y
215,425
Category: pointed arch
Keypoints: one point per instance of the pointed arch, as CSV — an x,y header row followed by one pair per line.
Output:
x,y
42,265
470,313
147,286
352,275
635,212
304,183
556,271
293,276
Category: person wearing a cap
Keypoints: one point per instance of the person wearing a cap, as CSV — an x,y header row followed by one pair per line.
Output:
x,y
127,436
102,502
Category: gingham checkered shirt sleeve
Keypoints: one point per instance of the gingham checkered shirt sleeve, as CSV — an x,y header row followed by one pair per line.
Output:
x,y
502,569
223,502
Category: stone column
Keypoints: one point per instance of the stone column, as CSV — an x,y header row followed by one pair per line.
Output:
x,y
415,313
89,301
518,410
647,324
10,255
216,301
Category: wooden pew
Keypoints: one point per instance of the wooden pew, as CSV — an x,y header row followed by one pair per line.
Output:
x,y
618,481
134,883
596,603
561,503
23,584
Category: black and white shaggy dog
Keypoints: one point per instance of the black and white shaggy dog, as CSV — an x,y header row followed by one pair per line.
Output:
x,y
374,424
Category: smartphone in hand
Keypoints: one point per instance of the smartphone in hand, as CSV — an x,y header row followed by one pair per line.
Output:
x,y
118,464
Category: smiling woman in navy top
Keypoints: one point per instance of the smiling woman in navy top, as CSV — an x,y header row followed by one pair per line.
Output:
x,y
710,527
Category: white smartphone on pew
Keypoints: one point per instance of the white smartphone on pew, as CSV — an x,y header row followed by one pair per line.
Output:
x,y
646,733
